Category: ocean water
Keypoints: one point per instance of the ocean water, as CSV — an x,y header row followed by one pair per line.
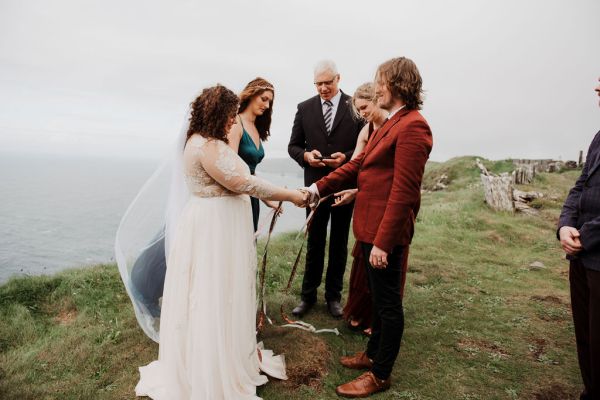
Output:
x,y
63,212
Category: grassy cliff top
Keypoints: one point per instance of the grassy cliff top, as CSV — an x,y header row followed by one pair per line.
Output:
x,y
480,322
461,171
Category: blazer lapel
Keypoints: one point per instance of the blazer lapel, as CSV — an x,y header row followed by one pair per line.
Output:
x,y
341,110
595,165
318,110
384,130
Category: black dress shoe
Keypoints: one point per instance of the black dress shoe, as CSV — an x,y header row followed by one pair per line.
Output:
x,y
335,309
302,309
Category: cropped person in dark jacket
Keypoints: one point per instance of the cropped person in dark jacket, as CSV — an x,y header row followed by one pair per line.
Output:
x,y
579,235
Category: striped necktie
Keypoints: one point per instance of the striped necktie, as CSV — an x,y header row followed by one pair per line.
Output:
x,y
327,115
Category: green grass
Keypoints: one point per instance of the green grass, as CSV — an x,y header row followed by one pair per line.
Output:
x,y
479,323
461,171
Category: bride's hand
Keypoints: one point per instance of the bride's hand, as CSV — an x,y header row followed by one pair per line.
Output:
x,y
344,197
274,205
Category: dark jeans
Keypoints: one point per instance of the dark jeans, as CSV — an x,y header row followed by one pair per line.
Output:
x,y
338,251
585,303
388,315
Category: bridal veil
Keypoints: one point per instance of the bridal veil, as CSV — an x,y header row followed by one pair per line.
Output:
x,y
145,232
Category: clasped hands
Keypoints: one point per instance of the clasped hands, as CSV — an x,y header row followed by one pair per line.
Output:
x,y
307,198
378,257
569,240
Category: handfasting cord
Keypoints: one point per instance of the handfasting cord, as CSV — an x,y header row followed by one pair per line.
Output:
x,y
262,306
297,323
262,313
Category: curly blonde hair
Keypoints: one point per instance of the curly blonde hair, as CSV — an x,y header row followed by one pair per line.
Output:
x,y
366,91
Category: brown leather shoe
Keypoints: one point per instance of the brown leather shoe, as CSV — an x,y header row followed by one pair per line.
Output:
x,y
357,361
363,386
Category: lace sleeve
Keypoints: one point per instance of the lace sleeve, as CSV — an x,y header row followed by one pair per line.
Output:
x,y
230,171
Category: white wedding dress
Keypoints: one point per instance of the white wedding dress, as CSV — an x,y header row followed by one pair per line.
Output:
x,y
208,348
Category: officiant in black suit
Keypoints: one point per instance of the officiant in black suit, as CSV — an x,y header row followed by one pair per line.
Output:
x,y
323,138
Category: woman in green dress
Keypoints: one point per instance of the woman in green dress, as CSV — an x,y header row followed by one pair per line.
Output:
x,y
252,127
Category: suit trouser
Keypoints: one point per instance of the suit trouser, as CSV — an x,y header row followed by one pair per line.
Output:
x,y
338,251
585,303
388,315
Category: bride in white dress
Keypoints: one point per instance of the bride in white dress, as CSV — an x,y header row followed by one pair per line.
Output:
x,y
208,347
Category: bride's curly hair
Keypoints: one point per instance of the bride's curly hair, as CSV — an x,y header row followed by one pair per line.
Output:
x,y
212,111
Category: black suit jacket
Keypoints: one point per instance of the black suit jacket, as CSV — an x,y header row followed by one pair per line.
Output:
x,y
309,133
582,208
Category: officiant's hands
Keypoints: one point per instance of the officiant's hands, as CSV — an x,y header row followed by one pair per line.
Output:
x,y
313,158
336,160
344,197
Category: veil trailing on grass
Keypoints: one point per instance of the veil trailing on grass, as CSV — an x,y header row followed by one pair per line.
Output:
x,y
145,235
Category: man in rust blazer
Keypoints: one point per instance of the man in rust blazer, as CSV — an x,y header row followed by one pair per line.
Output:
x,y
388,176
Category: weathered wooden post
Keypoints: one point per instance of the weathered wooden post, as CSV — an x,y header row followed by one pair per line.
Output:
x,y
524,173
498,190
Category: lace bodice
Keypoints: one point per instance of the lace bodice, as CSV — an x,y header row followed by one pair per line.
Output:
x,y
213,169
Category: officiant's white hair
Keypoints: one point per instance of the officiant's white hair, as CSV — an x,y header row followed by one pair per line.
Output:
x,y
325,66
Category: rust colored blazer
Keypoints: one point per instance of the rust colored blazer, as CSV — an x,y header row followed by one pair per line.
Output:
x,y
388,176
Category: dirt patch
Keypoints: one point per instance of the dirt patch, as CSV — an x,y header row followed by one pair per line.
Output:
x,y
537,348
426,281
66,317
548,299
495,237
554,314
306,355
63,312
473,347
553,392
419,280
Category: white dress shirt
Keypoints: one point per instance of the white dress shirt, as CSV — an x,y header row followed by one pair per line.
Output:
x,y
393,112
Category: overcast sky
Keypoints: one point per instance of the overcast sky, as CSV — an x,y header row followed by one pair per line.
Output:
x,y
507,78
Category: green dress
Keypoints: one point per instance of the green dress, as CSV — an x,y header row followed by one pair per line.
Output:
x,y
251,156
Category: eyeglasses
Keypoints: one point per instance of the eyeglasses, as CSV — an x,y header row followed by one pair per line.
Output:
x,y
326,83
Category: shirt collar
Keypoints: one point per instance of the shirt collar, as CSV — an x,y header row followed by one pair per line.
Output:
x,y
335,100
393,112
